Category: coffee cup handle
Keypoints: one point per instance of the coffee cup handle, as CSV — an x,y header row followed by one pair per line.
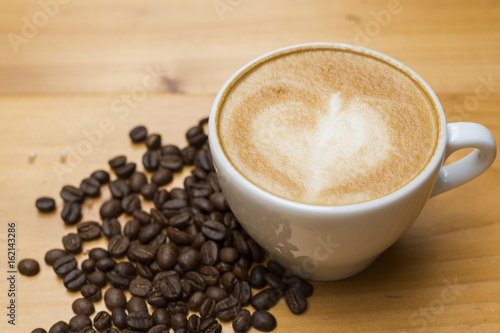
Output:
x,y
460,136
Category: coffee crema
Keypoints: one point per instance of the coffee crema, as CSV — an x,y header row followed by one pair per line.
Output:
x,y
326,126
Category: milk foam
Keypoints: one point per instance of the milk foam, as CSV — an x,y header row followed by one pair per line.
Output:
x,y
309,127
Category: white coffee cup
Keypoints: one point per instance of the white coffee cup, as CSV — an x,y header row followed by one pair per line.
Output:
x,y
335,242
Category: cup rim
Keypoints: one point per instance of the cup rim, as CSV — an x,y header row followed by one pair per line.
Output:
x,y
216,148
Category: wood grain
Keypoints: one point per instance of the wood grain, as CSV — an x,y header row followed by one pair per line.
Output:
x,y
77,71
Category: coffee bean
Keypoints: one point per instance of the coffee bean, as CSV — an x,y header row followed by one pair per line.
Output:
x,y
193,323
178,321
240,244
161,317
79,322
242,292
125,171
219,201
227,309
136,304
137,180
89,230
115,298
72,243
229,255
98,253
198,241
296,282
64,265
224,267
83,306
296,300
189,155
91,187
28,267
162,177
156,299
167,256
105,264
160,197
74,280
148,191
203,160
158,218
151,160
98,278
149,232
214,230
228,280
199,174
131,229
153,141
140,287
59,327
204,204
173,163
102,320
243,321
69,193
119,318
189,260
45,205
257,277
275,268
88,329
52,255
240,271
88,265
138,134
210,274
178,193
131,203
180,220
111,227
257,253
71,213
119,188
110,208
266,299
275,282
117,161
263,321
121,275
142,253
216,293
91,292
140,321
101,176
178,307
207,308
144,271
180,238
159,329
39,330
196,300
170,287
196,137
210,325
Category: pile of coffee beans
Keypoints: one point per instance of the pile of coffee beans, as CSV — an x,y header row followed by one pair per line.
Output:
x,y
186,263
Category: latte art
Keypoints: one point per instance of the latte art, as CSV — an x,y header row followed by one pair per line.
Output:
x,y
327,127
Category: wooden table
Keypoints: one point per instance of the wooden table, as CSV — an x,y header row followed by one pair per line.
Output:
x,y
76,76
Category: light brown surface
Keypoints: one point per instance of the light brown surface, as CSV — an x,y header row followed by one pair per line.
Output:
x,y
90,55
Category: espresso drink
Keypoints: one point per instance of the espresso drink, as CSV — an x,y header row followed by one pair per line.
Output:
x,y
326,126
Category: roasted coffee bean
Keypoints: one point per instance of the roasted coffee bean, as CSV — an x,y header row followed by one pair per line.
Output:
x,y
178,193
148,191
178,321
243,321
39,330
161,317
89,230
91,292
189,260
83,306
207,308
125,171
141,216
203,160
72,243
71,213
159,329
199,189
79,322
138,134
198,241
266,299
52,255
119,317
214,230
131,229
121,275
162,177
219,201
196,300
230,221
209,253
296,300
105,264
88,265
69,193
177,307
137,180
149,232
275,282
88,329
59,327
263,321
243,292
131,203
211,275
257,276
117,246
275,268
74,280
142,253
227,309
136,304
172,162
158,217
117,161
244,263
213,181
303,285
199,174
170,150
160,197
170,287
167,256
240,271
224,267
119,188
196,137
210,325
257,253
98,253
204,204
188,155
98,278
228,280
91,187
151,160
140,321
180,220
140,287
216,293
156,299
101,176
45,204
180,238
153,141
203,121
115,298
144,271
111,330
102,320
196,280
229,255
110,208
240,244
111,227
193,323
28,267
64,265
